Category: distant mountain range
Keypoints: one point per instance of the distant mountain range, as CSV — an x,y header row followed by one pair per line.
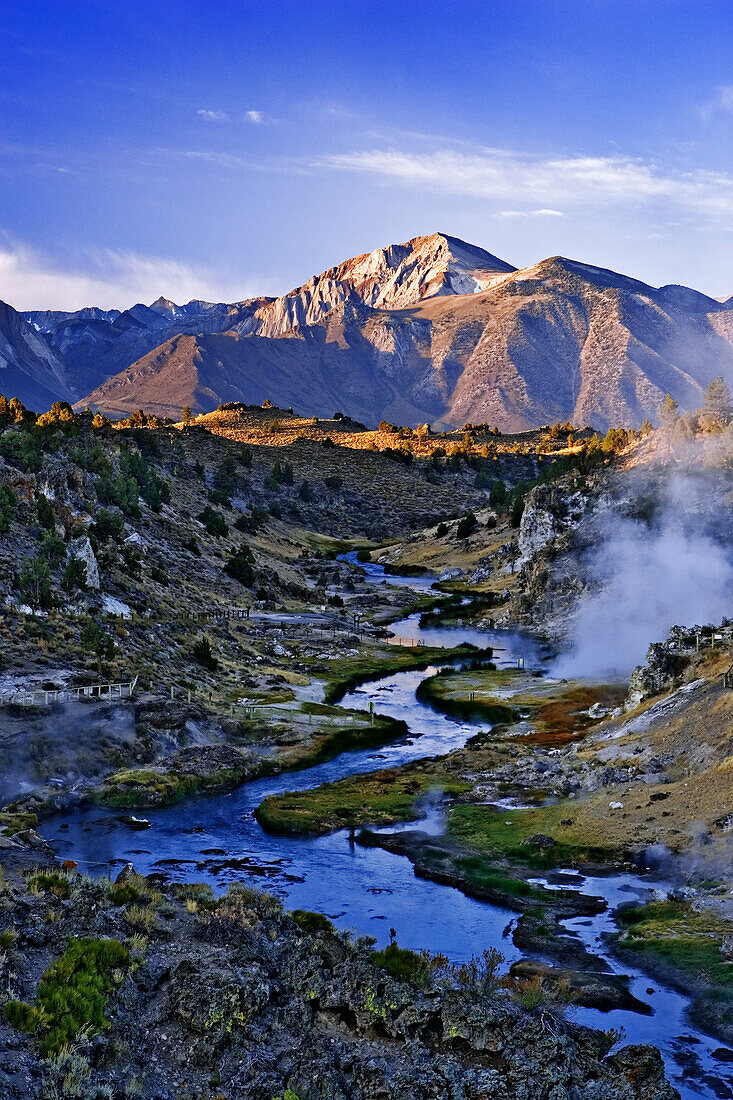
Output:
x,y
431,330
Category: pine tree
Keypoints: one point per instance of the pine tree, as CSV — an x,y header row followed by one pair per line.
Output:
x,y
716,412
669,412
35,584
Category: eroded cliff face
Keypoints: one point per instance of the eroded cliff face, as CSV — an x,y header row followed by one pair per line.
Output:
x,y
394,277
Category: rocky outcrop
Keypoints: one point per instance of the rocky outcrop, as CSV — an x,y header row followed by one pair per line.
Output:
x,y
659,674
81,548
549,511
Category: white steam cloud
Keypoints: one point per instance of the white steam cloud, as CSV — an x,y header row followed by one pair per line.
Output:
x,y
678,570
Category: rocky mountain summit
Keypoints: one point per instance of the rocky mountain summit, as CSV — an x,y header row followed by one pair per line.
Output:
x,y
389,278
434,330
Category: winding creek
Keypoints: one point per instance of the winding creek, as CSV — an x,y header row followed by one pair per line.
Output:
x,y
216,839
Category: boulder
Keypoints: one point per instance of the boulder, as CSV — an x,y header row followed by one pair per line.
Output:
x,y
450,574
540,840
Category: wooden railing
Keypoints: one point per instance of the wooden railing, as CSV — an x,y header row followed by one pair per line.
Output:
x,y
42,698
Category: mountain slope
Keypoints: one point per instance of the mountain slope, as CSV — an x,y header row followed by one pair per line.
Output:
x,y
96,344
564,340
560,340
29,368
346,365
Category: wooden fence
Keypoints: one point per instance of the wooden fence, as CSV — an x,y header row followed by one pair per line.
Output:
x,y
108,692
285,714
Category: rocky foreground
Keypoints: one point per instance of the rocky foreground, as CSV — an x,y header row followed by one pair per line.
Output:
x,y
130,990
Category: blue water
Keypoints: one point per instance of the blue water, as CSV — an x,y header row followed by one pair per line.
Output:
x,y
217,840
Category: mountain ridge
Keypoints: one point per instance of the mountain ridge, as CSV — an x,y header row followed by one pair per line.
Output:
x,y
432,329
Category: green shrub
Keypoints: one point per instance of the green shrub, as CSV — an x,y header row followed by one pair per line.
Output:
x,y
52,549
251,522
203,654
516,511
499,495
108,525
218,496
240,567
124,894
159,575
214,522
23,449
134,467
97,643
35,584
72,995
44,511
282,473
466,526
75,575
313,923
50,882
224,476
402,963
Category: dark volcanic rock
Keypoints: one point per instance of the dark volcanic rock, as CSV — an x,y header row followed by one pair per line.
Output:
x,y
234,996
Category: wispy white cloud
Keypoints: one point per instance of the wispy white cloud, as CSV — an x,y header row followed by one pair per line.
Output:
x,y
108,278
561,181
256,118
544,213
213,116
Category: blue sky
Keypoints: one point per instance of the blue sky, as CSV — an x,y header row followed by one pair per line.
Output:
x,y
227,149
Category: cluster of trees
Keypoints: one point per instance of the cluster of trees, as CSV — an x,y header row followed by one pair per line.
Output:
x,y
13,411
137,478
714,416
282,473
60,415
